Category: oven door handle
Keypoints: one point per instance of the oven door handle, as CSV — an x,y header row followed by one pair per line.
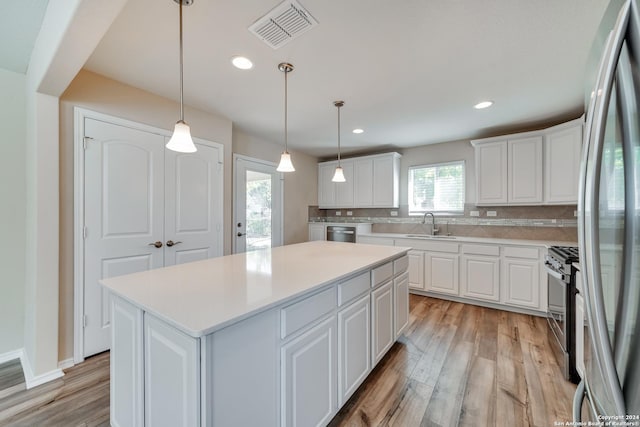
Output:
x,y
554,273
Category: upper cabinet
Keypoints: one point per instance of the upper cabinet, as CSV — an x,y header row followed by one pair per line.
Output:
x,y
531,168
371,182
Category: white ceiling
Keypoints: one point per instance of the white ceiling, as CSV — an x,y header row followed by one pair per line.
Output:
x,y
409,71
19,26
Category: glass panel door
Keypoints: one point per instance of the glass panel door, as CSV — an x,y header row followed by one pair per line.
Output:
x,y
258,208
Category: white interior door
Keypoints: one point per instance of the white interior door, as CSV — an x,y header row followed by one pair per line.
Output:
x,y
124,215
193,205
258,205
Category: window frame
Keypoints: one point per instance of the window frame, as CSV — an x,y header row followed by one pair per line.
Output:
x,y
438,212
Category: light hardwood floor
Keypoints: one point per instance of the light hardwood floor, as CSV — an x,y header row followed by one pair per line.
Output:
x,y
456,365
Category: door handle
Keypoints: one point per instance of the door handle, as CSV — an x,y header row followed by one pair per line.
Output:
x,y
171,243
157,244
240,234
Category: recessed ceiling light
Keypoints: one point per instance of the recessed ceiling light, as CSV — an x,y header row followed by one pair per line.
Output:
x,y
483,104
357,130
242,62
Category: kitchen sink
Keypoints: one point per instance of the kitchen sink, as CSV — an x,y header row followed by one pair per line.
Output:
x,y
430,236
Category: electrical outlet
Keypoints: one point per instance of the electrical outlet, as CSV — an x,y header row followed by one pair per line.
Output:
x,y
575,213
393,213
338,213
474,213
349,213
492,213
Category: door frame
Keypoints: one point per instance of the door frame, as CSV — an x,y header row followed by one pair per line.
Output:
x,y
79,115
237,157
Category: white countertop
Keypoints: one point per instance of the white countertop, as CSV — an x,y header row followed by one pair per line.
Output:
x,y
202,297
544,243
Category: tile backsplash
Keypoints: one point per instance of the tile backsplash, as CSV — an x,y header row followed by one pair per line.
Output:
x,y
554,223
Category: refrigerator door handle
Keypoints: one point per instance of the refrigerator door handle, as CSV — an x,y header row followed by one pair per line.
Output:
x,y
578,398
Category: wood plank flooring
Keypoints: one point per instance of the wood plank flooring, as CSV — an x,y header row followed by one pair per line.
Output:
x,y
456,365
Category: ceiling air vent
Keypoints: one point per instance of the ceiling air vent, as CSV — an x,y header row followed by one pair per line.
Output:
x,y
283,23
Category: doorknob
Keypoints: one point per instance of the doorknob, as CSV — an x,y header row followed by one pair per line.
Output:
x,y
171,243
157,244
241,234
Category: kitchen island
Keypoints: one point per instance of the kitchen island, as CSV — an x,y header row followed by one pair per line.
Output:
x,y
280,336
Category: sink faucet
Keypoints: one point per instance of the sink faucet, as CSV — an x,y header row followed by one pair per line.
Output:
x,y
434,230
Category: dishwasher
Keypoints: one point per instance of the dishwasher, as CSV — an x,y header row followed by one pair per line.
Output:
x,y
339,233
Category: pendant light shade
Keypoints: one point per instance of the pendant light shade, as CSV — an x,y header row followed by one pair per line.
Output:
x,y
338,176
285,164
181,140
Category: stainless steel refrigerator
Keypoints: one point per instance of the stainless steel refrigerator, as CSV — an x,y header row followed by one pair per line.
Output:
x,y
609,222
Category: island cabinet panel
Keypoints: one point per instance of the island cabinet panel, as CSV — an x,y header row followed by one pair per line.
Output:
x,y
401,298
298,315
309,373
241,373
127,382
382,315
171,375
354,342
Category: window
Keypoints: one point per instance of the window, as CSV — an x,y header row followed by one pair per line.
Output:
x,y
436,188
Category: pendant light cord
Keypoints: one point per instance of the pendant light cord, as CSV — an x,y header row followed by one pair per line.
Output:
x,y
339,136
286,72
181,66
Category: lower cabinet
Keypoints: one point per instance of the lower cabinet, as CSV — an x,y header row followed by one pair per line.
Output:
x,y
317,232
382,320
521,279
441,272
480,277
309,377
401,299
416,269
354,342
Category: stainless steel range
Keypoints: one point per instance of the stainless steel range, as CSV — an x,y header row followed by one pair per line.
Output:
x,y
561,307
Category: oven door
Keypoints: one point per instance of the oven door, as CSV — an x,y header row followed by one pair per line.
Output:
x,y
557,318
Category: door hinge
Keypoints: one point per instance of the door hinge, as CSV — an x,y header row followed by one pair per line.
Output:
x,y
84,232
84,321
84,142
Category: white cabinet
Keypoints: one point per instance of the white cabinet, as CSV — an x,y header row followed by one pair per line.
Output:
x,y
562,155
382,319
441,272
524,170
309,377
371,181
401,299
416,269
172,375
480,277
521,277
317,232
354,344
491,173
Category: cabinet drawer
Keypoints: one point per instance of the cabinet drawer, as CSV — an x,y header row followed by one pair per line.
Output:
x,y
381,274
298,315
481,250
401,265
431,245
353,287
521,252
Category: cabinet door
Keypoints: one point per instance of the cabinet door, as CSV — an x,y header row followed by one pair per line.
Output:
x,y
172,375
363,180
309,377
441,272
354,346
562,150
382,315
326,188
481,278
344,190
521,280
416,269
401,300
385,182
491,173
525,170
317,232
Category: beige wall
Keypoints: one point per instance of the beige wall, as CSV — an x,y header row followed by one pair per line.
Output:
x,y
300,187
98,93
439,153
12,209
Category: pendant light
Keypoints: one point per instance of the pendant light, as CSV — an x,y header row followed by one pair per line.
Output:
x,y
285,159
338,176
181,139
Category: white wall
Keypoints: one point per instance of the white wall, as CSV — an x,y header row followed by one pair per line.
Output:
x,y
300,187
12,209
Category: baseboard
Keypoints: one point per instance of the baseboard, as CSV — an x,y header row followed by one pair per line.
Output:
x,y
65,364
36,380
11,355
